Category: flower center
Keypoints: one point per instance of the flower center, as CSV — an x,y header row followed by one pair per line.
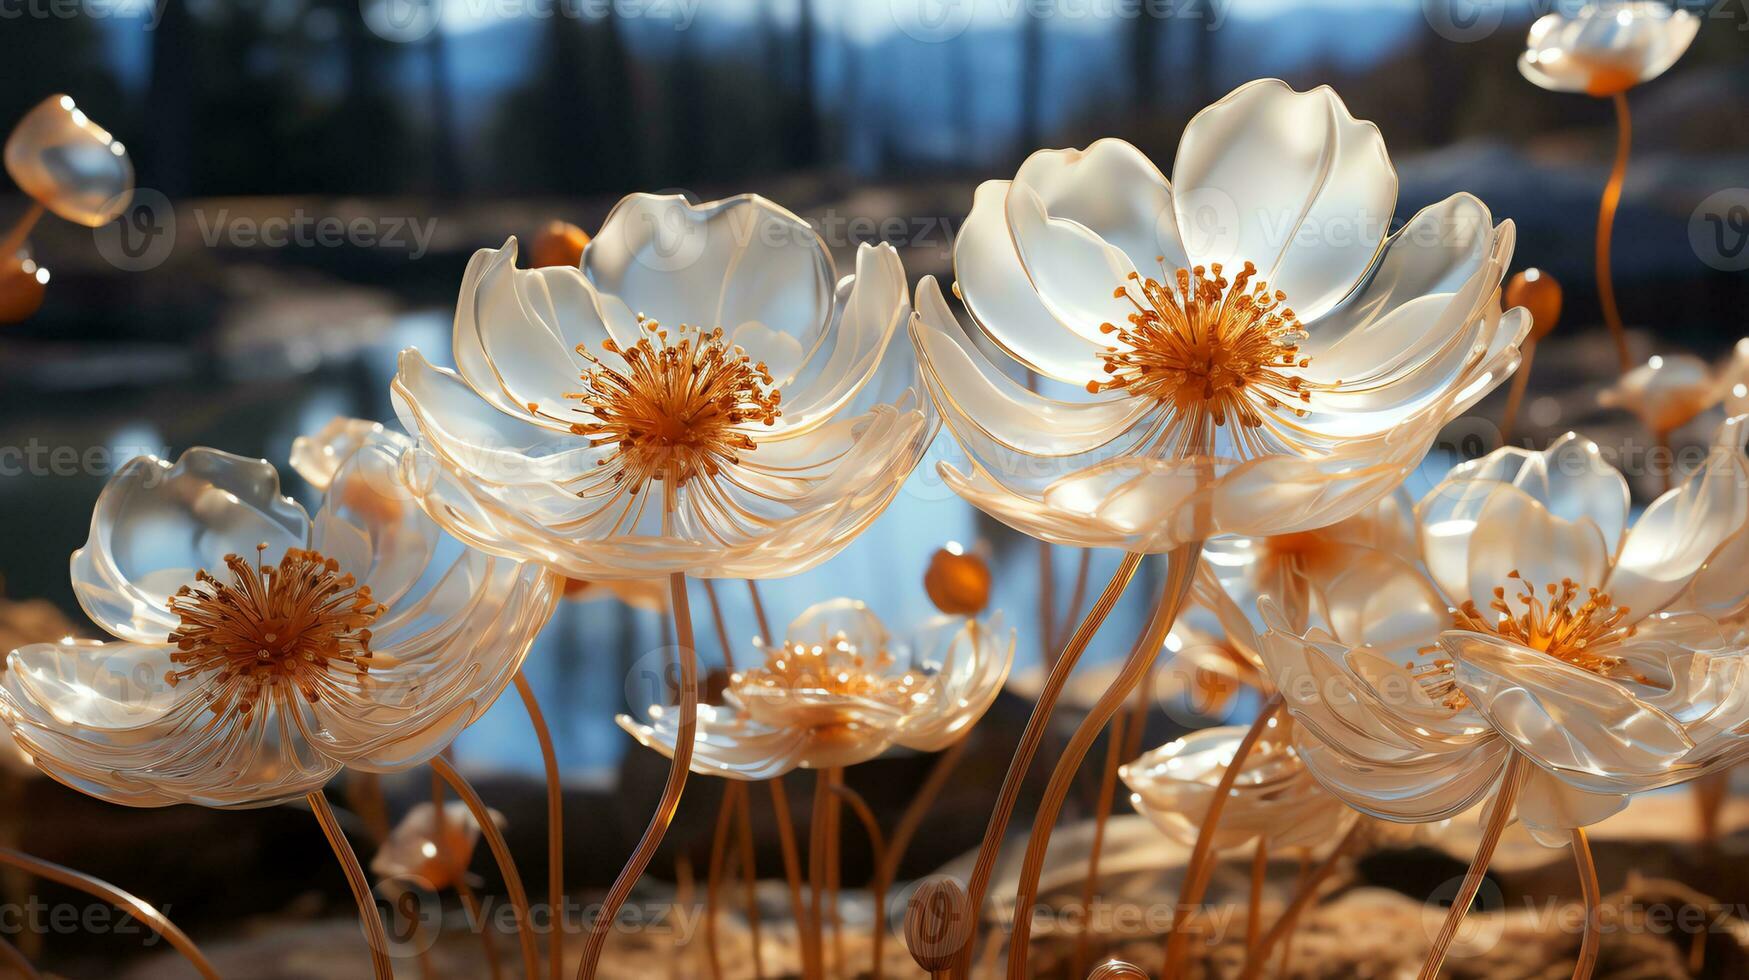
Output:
x,y
674,410
1212,349
1564,621
835,669
270,624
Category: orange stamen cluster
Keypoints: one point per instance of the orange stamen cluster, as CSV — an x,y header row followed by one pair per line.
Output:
x,y
835,668
291,624
675,410
1558,621
1212,349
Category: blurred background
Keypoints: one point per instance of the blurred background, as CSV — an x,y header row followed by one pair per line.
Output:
x,y
425,129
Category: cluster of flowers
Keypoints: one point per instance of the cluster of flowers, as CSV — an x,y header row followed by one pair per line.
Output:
x,y
704,395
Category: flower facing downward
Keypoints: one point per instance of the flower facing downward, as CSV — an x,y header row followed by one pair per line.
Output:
x,y
1239,350
837,692
1607,48
1273,798
1666,392
259,650
1533,621
701,395
416,852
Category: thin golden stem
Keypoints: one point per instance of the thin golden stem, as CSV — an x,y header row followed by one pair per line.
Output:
x,y
364,794
683,889
20,230
1710,793
1287,946
1114,745
20,965
670,801
834,840
549,758
1198,867
1666,459
1047,599
375,936
759,611
878,845
750,879
1036,726
710,593
1079,594
1593,894
919,806
1606,230
1258,953
792,870
1460,905
1254,913
476,916
1180,572
714,874
500,853
815,946
1515,397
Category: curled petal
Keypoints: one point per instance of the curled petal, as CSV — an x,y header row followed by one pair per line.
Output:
x,y
316,457
156,525
969,661
734,747
1551,808
1675,536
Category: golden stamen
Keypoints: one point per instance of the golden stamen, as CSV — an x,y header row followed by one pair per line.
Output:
x,y
675,410
1220,351
291,623
1558,621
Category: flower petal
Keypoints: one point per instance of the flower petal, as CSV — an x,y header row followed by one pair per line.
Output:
x,y
1562,717
719,264
316,457
1115,192
1517,544
1672,540
1296,185
726,744
155,525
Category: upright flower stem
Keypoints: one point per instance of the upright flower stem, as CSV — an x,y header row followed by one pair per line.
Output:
x,y
1198,867
1180,572
1034,733
555,827
1460,904
877,888
375,936
1258,952
1606,230
476,916
750,877
714,875
1515,396
792,870
1078,594
817,833
1254,912
735,799
500,853
1588,945
1114,745
670,801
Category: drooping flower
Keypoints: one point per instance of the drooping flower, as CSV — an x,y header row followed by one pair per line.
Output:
x,y
1604,49
1273,797
1535,622
1667,392
1252,353
258,650
701,396
416,853
69,164
838,691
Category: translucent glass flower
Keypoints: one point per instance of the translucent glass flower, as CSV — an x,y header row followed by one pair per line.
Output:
x,y
701,396
69,164
414,853
1667,392
1243,350
1606,48
837,692
259,650
21,622
1535,621
1273,798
